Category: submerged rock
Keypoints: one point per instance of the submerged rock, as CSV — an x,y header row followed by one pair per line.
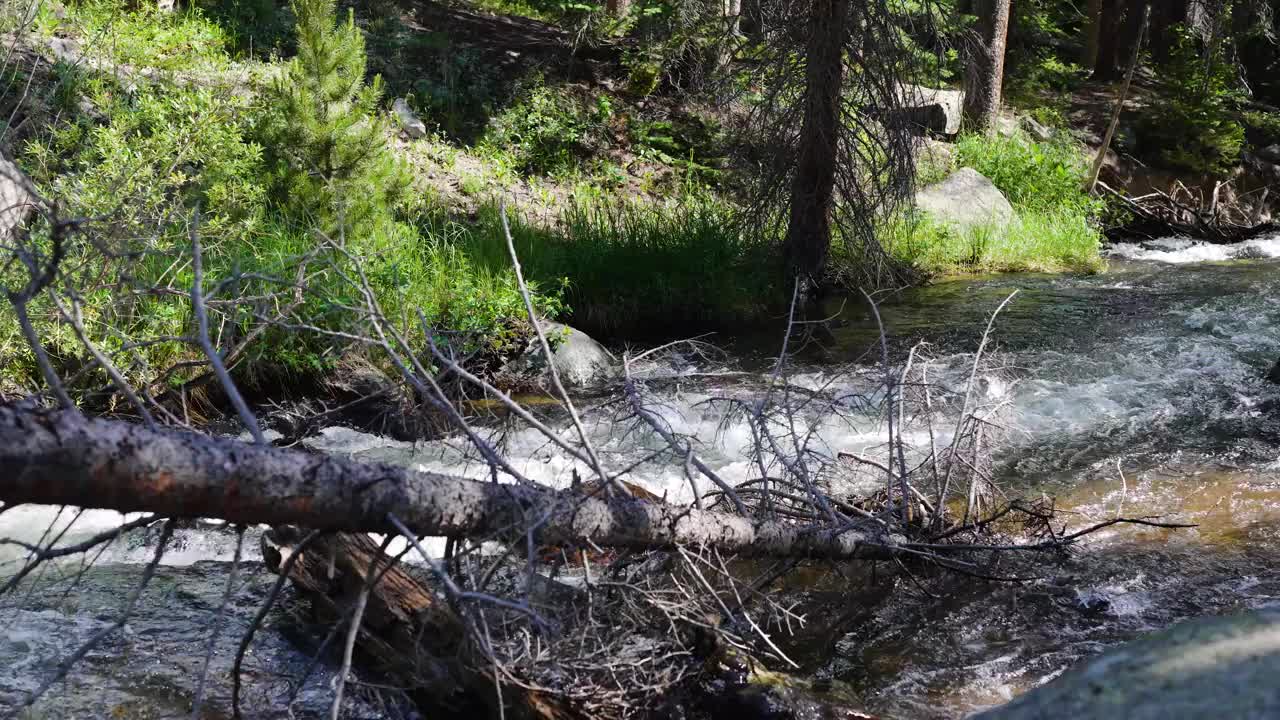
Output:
x,y
1210,667
965,199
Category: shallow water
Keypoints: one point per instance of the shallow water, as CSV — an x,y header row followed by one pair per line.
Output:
x,y
1135,392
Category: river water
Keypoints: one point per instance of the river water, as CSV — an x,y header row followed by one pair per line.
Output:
x,y
1137,392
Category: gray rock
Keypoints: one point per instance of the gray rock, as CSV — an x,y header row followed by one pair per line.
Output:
x,y
1220,667
965,199
580,360
17,201
409,122
929,110
1035,130
1270,153
935,154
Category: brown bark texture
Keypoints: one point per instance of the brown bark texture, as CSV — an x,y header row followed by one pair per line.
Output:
x,y
1107,65
808,238
61,457
985,77
1092,32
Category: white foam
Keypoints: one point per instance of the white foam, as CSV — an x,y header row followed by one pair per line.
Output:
x,y
1180,251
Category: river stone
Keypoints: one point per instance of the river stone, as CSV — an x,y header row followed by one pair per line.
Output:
x,y
1218,667
579,359
965,199
408,121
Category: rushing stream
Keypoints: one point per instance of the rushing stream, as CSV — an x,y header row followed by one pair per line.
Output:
x,y
1139,391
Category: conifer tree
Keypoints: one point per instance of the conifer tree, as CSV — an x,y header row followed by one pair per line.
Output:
x,y
324,133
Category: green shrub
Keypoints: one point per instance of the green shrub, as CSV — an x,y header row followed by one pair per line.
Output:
x,y
1190,124
548,131
253,27
1261,128
1032,175
635,268
323,133
142,35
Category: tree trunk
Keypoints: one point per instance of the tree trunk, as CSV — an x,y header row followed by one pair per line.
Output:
x,y
408,634
1164,16
617,8
1107,65
1092,33
985,75
812,191
61,457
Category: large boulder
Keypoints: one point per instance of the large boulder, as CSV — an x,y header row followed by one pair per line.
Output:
x,y
1221,667
925,110
17,200
965,199
580,361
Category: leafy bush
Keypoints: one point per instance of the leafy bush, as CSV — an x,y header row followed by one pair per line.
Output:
x,y
1190,125
1261,128
1033,175
142,35
257,27
548,131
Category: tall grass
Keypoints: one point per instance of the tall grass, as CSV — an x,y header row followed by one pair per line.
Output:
x,y
1036,241
1054,229
640,268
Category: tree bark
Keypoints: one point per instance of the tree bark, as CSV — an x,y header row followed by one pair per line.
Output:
x,y
408,634
1092,33
985,77
60,457
1164,16
1107,65
812,191
617,8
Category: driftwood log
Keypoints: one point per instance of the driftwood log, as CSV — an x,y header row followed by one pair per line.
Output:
x,y
62,457
1182,212
408,633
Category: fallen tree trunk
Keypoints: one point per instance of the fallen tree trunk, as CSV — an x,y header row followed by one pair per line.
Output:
x,y
61,457
408,634
1180,213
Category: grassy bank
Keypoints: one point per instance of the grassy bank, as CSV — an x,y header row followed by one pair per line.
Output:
x,y
1054,228
213,126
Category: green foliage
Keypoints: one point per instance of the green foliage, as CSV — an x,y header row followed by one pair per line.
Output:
x,y
1054,228
1032,175
1191,125
253,27
323,133
1038,241
548,131
690,142
141,35
1261,128
631,267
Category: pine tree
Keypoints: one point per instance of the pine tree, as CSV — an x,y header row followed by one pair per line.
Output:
x,y
333,167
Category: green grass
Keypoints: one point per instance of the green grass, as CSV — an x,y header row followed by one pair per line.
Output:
x,y
165,148
143,36
640,268
1054,229
1036,241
